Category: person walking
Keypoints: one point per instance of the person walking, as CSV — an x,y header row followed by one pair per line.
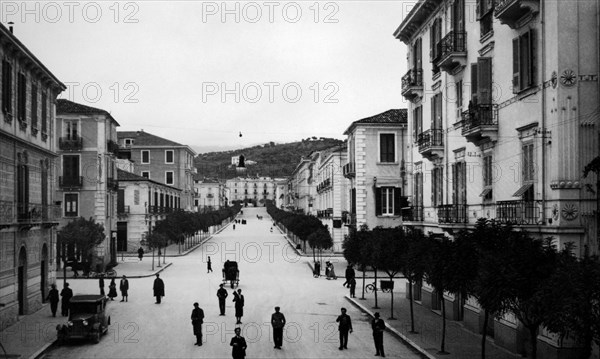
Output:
x,y
234,226
53,299
197,320
238,298
222,294
124,288
112,289
159,288
238,344
140,253
353,288
344,327
101,284
350,274
66,293
331,272
208,266
378,327
277,322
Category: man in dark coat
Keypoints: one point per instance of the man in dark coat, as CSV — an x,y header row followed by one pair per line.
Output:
x,y
197,320
53,299
140,253
66,293
239,345
238,298
350,274
101,283
277,322
352,288
159,288
222,294
124,287
344,327
378,327
208,266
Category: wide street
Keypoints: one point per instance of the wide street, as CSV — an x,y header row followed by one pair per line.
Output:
x,y
271,274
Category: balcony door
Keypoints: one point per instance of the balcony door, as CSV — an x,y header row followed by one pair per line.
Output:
x,y
71,129
458,16
70,169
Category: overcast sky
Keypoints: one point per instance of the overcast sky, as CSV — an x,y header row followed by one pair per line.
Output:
x,y
199,73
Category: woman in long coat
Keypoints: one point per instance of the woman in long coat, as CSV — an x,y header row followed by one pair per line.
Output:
x,y
112,289
238,298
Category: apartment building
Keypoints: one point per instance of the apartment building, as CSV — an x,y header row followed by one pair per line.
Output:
x,y
503,117
161,160
250,190
87,178
280,192
209,194
376,169
28,211
302,187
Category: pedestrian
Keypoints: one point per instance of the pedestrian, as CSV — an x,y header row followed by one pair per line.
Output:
x,y
197,320
124,287
238,298
353,288
317,271
344,327
53,299
222,294
208,266
350,274
66,293
238,343
112,289
378,327
140,253
234,226
277,322
101,284
331,272
271,229
158,288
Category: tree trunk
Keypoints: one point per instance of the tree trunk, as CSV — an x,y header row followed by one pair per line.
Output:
x,y
363,285
533,334
486,317
392,298
153,259
443,347
375,291
412,313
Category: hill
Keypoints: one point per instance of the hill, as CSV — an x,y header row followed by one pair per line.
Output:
x,y
270,159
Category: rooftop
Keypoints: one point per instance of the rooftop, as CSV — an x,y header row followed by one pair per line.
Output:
x,y
390,117
128,176
143,139
64,106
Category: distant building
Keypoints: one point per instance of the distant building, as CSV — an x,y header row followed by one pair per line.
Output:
x,y
250,190
209,195
302,187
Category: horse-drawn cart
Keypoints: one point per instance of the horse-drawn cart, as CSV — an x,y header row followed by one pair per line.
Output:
x,y
231,273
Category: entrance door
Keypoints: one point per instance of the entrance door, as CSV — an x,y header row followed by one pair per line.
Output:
x,y
44,273
22,280
122,236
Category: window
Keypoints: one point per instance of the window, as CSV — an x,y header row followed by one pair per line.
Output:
x,y
458,16
417,52
387,201
169,156
145,157
436,112
22,97
459,183
6,87
437,187
417,122
71,204
435,36
146,174
485,15
459,94
481,81
70,169
34,107
523,61
488,178
418,200
71,129
169,177
44,115
387,147
528,163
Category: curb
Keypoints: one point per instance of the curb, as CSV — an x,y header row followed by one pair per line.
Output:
x,y
392,330
40,352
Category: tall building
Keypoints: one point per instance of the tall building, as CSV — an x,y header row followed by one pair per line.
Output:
x,y
376,169
28,211
250,190
161,160
87,174
503,117
302,187
209,195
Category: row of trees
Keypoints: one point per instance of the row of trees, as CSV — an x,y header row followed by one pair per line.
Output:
x,y
506,270
308,228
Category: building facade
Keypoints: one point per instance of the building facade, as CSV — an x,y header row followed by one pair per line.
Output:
x,y
250,190
209,195
509,146
161,160
302,187
87,174
28,211
376,168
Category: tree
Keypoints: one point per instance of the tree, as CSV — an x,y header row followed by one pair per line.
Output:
x,y
389,247
156,240
412,263
84,235
352,246
320,239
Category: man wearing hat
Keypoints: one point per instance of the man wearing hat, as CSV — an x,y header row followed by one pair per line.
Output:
x,y
222,294
378,327
197,320
278,322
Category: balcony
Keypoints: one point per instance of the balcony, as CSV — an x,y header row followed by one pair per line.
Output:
x,y
412,214
511,12
70,143
349,170
518,212
452,213
112,184
480,124
326,213
324,185
412,84
453,51
36,213
349,219
70,182
112,146
431,143
122,211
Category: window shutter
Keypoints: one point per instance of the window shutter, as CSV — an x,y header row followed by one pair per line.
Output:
x,y
455,183
377,201
397,201
531,64
438,111
432,42
484,80
382,148
474,83
516,68
419,54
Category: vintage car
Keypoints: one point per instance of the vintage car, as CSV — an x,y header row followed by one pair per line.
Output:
x,y
87,318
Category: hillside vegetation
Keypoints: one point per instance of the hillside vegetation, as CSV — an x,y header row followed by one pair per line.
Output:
x,y
272,159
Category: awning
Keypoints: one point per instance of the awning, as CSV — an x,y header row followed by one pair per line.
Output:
x,y
485,192
522,190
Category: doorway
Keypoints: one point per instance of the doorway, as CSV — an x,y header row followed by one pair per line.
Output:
x,y
22,281
44,273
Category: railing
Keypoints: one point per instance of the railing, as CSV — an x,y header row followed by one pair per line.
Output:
x,y
479,115
326,213
70,182
430,138
413,214
7,212
413,78
452,213
36,213
517,212
122,210
349,219
454,41
70,144
349,169
324,185
112,146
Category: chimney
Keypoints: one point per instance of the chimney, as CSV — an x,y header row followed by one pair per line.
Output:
x,y
10,26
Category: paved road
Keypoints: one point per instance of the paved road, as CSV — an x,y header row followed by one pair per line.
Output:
x,y
270,274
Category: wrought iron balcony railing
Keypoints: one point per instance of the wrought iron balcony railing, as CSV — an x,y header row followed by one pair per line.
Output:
x,y
412,214
452,213
349,170
70,182
412,83
518,212
70,143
